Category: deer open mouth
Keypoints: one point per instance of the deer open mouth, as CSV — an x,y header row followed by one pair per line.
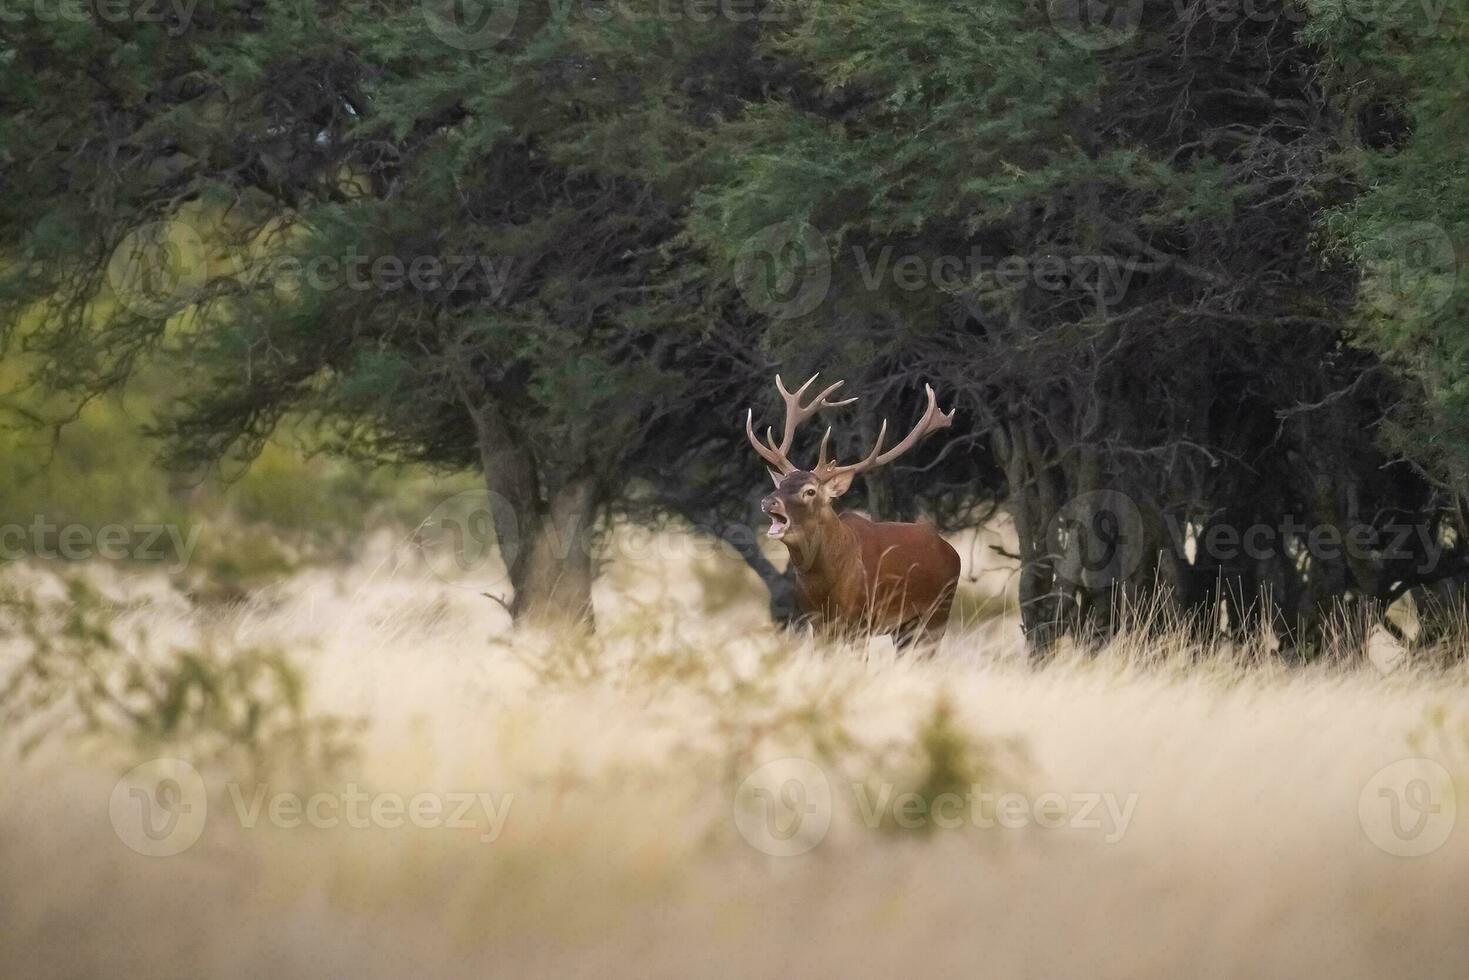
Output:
x,y
779,521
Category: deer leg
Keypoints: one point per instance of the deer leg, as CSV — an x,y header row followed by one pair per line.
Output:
x,y
914,633
925,630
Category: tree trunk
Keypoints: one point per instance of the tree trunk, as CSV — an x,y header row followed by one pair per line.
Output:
x,y
546,541
1039,610
743,539
553,573
781,585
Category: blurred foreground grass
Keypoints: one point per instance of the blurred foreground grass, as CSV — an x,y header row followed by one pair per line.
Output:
x,y
389,783
689,794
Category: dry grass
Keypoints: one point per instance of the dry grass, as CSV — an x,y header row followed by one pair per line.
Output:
x,y
621,762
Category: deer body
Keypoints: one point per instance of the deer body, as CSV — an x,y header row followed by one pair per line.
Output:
x,y
877,576
855,575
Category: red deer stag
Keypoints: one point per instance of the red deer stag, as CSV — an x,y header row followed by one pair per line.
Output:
x,y
854,575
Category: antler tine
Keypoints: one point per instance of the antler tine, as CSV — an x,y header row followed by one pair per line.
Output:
x,y
796,413
790,395
823,403
882,434
821,456
770,441
933,419
774,459
777,454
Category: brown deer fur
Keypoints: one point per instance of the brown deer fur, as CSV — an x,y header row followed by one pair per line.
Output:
x,y
855,575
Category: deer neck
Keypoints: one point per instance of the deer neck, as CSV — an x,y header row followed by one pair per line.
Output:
x,y
827,557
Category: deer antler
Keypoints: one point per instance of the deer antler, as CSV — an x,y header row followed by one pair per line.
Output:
x,y
796,413
932,421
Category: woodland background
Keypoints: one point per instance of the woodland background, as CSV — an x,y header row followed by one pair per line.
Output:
x,y
326,322
1184,269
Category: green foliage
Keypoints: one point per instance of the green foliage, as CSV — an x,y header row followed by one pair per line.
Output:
x,y
908,138
222,534
98,472
226,532
1409,229
77,678
608,176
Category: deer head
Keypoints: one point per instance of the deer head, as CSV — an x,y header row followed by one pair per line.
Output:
x,y
802,501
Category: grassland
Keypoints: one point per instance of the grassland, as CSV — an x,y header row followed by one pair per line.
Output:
x,y
1149,811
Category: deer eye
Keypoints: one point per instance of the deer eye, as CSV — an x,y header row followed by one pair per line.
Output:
x,y
809,492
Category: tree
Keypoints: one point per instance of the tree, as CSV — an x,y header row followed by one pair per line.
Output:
x,y
1403,73
450,248
1153,349
1154,264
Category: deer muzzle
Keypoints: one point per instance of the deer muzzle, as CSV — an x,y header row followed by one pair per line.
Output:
x,y
779,519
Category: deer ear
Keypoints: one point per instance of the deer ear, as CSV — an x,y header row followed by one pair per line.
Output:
x,y
837,485
774,478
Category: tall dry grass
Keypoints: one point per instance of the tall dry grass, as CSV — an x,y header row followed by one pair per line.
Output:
x,y
631,777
